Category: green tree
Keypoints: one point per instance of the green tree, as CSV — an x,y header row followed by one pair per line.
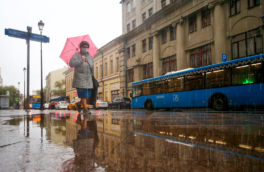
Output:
x,y
13,93
60,85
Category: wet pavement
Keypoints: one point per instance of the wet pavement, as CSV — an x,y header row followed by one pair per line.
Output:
x,y
131,140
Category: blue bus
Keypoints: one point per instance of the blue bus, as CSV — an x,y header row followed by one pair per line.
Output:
x,y
34,101
231,84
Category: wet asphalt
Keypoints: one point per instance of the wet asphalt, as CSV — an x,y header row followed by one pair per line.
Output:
x,y
131,140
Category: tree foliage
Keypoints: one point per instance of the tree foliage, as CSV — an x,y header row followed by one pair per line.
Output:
x,y
13,93
60,85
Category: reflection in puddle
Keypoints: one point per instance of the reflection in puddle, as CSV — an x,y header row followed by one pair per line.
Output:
x,y
151,142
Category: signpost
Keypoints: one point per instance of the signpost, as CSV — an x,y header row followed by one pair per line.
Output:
x,y
28,36
24,35
224,57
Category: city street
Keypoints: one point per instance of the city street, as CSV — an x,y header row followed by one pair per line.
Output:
x,y
131,140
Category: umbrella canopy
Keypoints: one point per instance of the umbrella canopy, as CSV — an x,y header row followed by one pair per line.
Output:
x,y
72,46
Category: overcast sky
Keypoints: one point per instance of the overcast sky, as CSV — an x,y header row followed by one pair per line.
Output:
x,y
101,19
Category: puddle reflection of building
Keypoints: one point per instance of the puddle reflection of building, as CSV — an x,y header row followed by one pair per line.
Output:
x,y
178,142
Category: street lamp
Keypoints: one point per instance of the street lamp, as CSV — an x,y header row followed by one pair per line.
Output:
x,y
41,25
18,95
24,86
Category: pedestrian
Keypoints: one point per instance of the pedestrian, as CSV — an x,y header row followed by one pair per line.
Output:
x,y
82,80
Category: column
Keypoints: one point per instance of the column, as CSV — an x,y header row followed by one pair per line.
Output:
x,y
180,47
219,33
156,55
122,73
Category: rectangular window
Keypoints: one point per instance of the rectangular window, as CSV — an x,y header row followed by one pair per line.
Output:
x,y
192,24
218,78
128,7
130,75
150,12
169,64
206,19
148,89
253,3
128,52
134,24
150,43
164,36
133,50
148,70
112,66
144,46
172,33
246,44
234,7
133,4
105,69
100,96
101,70
194,82
176,84
117,64
96,72
128,27
163,3
201,56
160,87
114,94
247,74
144,17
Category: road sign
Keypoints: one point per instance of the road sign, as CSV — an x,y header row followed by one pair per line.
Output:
x,y
224,57
47,87
23,35
17,99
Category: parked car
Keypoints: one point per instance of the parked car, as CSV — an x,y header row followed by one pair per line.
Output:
x,y
100,104
120,103
52,105
46,105
61,105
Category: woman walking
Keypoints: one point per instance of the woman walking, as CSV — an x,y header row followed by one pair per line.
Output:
x,y
82,80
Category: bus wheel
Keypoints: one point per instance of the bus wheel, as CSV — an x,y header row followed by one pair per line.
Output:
x,y
219,103
149,105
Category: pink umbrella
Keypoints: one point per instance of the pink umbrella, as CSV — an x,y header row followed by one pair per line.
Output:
x,y
72,46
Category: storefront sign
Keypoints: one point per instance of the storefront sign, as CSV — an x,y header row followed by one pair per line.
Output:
x,y
4,102
74,94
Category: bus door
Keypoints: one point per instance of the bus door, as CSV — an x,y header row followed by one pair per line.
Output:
x,y
160,91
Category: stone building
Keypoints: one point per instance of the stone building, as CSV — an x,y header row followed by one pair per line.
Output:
x,y
107,69
168,35
51,78
70,91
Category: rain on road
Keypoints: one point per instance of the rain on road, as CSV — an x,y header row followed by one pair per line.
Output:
x,y
131,140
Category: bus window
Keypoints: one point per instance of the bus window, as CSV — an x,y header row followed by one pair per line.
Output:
x,y
160,87
247,74
137,90
148,89
194,82
218,78
176,84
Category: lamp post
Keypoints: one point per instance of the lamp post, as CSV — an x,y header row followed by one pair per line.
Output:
x,y
24,86
41,25
18,95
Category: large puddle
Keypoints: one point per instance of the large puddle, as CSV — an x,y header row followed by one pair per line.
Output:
x,y
140,141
